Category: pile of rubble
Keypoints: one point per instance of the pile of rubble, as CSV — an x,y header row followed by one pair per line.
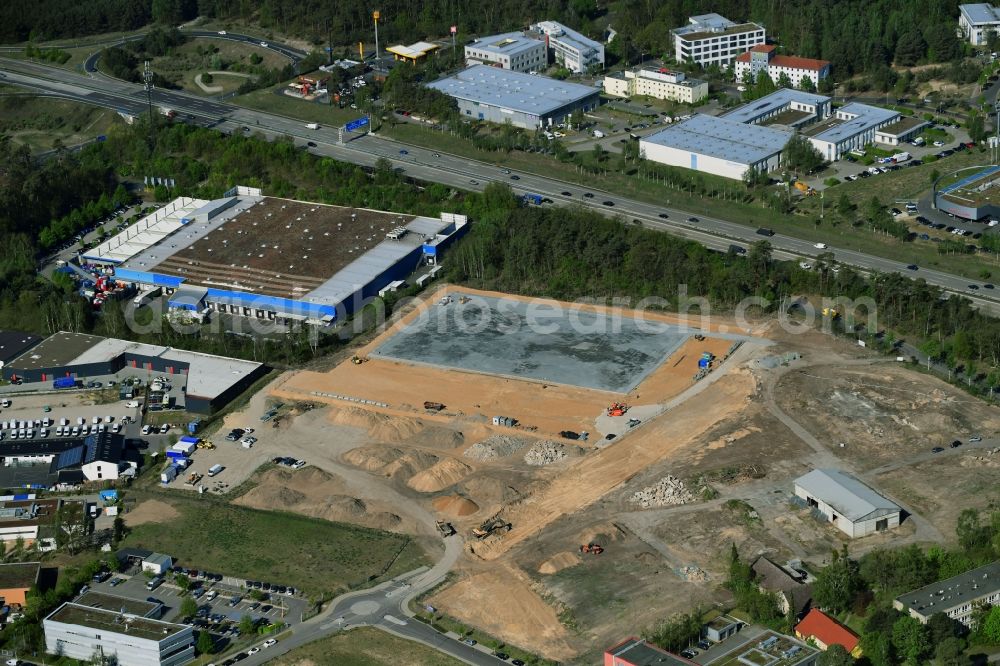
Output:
x,y
545,452
668,491
693,574
497,446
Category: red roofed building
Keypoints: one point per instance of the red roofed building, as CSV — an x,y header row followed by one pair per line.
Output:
x,y
762,58
824,631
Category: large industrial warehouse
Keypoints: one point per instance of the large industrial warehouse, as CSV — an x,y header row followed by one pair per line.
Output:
x,y
525,100
716,145
208,382
274,259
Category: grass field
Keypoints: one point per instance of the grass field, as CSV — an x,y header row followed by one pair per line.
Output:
x,y
365,646
201,55
835,232
39,122
283,105
321,557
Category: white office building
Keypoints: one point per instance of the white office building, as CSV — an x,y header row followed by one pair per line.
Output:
x,y
975,22
762,58
853,126
83,632
569,48
711,39
957,597
511,50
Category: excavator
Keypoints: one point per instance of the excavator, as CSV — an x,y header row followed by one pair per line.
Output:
x,y
617,409
357,360
592,548
494,524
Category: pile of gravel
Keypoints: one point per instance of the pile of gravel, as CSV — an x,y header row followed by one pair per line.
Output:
x,y
668,491
545,452
497,446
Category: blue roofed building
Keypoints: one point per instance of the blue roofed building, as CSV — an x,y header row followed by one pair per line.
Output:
x,y
279,260
524,100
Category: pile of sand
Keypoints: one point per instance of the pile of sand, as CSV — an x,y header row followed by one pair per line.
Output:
x,y
558,562
444,473
389,461
318,495
497,446
455,505
545,452
381,427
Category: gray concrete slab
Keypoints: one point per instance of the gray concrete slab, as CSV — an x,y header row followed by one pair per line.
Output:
x,y
547,342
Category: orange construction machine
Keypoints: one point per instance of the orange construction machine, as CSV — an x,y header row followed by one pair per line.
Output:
x,y
592,548
617,409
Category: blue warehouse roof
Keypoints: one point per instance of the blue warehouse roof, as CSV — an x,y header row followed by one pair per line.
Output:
x,y
980,13
722,138
524,93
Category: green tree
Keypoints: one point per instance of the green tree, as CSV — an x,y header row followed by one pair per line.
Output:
x,y
835,655
838,583
188,607
182,581
205,644
247,626
910,48
801,156
119,529
784,81
909,638
990,627
845,207
976,127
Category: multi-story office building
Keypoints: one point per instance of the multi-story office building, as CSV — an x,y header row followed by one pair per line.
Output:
x,y
710,39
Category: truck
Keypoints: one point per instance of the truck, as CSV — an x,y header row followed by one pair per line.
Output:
x,y
168,474
900,157
146,294
168,113
312,126
64,383
532,198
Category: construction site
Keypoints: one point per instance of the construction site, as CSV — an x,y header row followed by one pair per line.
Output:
x,y
587,512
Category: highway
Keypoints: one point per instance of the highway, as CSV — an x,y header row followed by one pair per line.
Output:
x,y
433,166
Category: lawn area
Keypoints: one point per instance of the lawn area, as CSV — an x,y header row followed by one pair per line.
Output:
x,y
39,122
321,557
365,646
201,55
833,231
290,107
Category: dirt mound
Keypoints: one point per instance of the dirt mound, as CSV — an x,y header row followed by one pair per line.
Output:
x,y
558,562
455,505
497,446
602,534
391,461
437,437
150,511
446,472
381,427
317,495
545,452
489,489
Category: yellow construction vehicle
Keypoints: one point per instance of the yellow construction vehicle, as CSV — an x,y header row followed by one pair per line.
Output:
x,y
494,524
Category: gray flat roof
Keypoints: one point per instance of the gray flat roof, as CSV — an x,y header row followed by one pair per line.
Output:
x,y
641,653
904,125
864,118
569,35
114,622
525,93
980,13
848,496
115,603
962,588
57,350
722,138
207,377
506,43
15,343
769,103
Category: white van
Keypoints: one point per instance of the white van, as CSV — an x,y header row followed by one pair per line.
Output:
x,y
215,469
598,134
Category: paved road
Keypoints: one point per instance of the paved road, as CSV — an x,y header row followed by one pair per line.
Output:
x,y
429,165
385,607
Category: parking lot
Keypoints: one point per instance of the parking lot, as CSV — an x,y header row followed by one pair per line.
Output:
x,y
72,410
216,611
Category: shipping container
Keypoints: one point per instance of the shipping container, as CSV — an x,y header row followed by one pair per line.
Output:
x,y
185,447
64,383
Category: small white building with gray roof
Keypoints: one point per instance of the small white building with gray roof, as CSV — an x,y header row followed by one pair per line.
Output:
x,y
853,507
524,100
718,146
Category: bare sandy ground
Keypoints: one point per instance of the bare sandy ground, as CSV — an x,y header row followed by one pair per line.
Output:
x,y
150,511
